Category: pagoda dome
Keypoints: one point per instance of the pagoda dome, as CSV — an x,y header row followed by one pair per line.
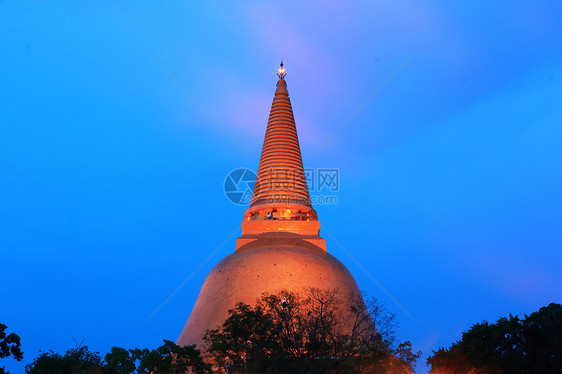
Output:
x,y
273,263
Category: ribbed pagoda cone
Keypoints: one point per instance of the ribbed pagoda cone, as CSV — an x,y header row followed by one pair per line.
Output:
x,y
281,191
280,247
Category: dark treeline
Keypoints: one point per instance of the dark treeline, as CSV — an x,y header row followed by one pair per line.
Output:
x,y
532,345
286,333
283,333
166,359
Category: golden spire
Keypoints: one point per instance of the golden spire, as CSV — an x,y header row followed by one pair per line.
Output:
x,y
281,191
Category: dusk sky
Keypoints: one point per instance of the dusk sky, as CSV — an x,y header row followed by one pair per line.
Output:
x,y
443,118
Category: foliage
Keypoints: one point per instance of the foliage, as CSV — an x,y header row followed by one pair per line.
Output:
x,y
171,359
285,333
10,345
121,361
405,354
77,360
166,359
511,345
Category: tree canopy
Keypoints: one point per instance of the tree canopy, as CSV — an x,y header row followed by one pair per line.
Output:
x,y
511,345
10,345
287,333
166,359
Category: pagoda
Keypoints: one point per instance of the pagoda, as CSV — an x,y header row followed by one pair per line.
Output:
x,y
280,247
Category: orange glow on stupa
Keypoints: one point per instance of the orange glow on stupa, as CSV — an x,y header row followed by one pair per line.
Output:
x,y
280,247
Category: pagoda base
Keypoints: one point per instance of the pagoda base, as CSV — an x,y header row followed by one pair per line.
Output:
x,y
273,230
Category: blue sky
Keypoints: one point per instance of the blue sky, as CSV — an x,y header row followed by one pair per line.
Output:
x,y
111,176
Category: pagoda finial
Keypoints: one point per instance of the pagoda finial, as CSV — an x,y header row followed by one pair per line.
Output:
x,y
281,72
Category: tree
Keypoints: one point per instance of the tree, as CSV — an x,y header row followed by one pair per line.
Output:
x,y
79,360
170,358
121,361
166,359
405,354
10,345
287,333
511,345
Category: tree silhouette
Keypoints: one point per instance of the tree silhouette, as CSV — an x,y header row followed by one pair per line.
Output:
x,y
511,345
10,345
79,360
287,333
166,359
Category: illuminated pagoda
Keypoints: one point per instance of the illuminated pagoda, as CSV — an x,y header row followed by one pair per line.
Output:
x,y
280,247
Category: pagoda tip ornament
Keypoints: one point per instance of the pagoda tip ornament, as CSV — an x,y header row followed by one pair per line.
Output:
x,y
281,72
